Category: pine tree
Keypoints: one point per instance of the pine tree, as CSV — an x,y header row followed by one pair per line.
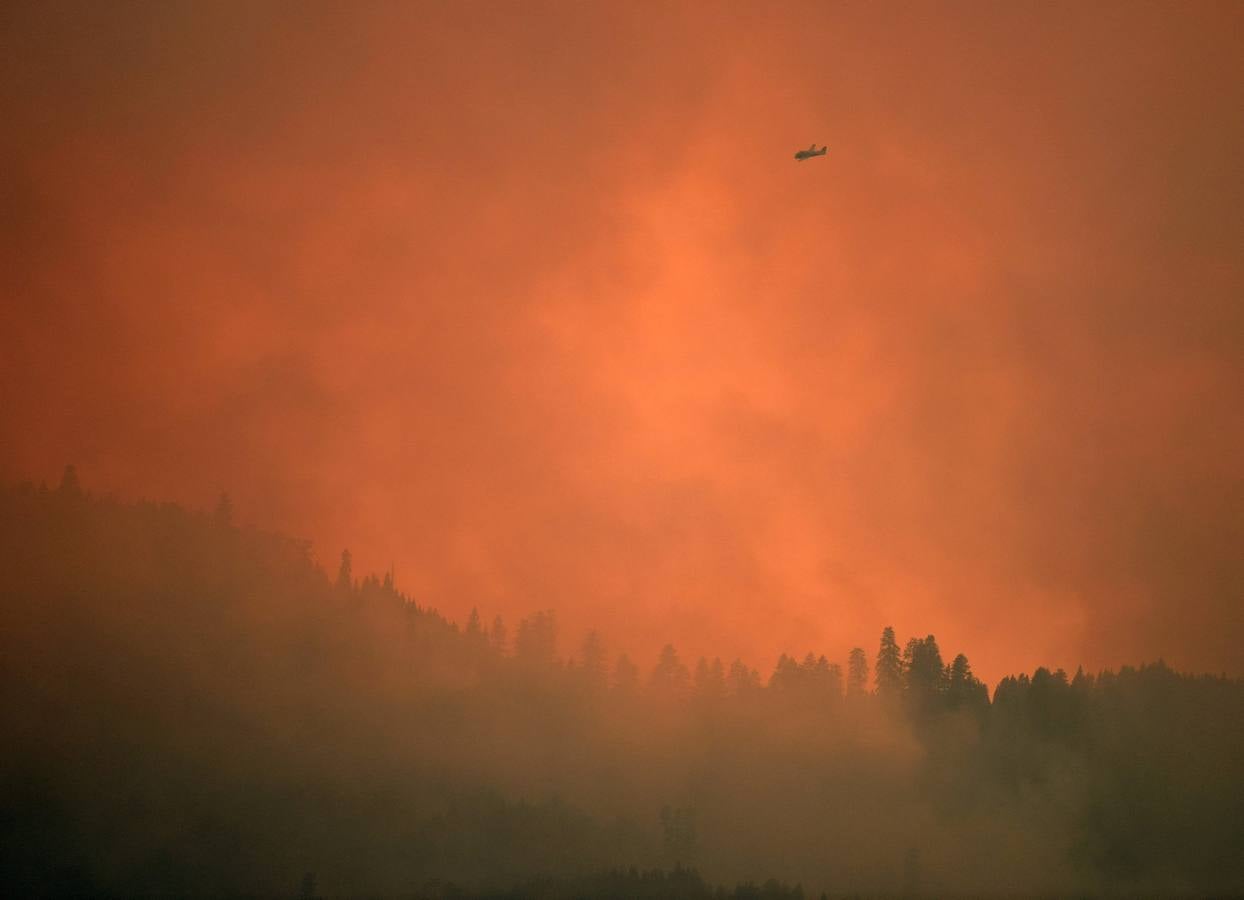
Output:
x,y
69,485
742,681
962,687
1082,680
785,677
345,573
888,670
857,672
959,672
923,668
831,678
498,637
476,639
670,674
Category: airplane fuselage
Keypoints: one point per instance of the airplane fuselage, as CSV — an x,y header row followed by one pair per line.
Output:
x,y
808,154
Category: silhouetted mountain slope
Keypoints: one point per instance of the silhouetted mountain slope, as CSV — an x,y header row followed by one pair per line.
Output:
x,y
194,709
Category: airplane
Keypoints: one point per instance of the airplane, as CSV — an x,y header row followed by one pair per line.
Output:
x,y
811,152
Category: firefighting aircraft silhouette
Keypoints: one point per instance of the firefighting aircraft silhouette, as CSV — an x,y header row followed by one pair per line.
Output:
x,y
811,152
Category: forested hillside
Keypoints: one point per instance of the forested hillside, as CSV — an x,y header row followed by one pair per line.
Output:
x,y
195,709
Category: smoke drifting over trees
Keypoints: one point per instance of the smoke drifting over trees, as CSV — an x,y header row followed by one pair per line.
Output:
x,y
195,709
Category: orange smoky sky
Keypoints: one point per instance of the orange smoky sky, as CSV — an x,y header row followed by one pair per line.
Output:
x,y
531,302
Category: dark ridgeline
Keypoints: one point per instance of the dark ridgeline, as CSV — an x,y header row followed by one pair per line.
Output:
x,y
194,709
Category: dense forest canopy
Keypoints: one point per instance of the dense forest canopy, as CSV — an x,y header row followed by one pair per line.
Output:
x,y
191,708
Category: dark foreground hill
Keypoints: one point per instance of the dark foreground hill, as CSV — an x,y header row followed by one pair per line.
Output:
x,y
192,709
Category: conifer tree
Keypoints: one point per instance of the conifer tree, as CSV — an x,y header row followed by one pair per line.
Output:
x,y
888,670
857,672
69,484
742,681
962,687
498,637
923,670
831,678
670,674
345,572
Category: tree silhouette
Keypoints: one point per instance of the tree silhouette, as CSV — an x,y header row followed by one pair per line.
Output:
x,y
829,676
962,687
923,671
257,719
69,487
742,682
786,676
857,673
536,642
669,676
477,640
888,669
345,573
498,638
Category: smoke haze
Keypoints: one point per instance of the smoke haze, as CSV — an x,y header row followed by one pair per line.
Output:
x,y
194,709
531,303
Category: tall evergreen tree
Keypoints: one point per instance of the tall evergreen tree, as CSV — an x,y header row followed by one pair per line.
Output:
x,y
498,637
857,672
831,675
785,675
69,484
888,669
924,672
962,687
345,572
670,675
476,639
742,681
